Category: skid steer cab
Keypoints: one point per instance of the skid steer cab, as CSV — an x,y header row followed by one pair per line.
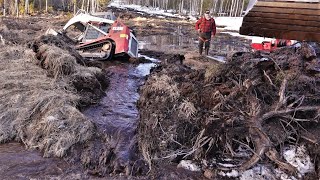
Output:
x,y
101,36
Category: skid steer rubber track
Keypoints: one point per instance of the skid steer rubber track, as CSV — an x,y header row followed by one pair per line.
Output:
x,y
294,20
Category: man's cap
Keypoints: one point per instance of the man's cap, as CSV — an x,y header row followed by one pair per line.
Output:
x,y
207,12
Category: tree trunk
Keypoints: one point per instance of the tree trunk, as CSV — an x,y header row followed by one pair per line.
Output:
x,y
16,7
46,5
242,8
88,4
201,6
82,5
4,7
26,7
74,6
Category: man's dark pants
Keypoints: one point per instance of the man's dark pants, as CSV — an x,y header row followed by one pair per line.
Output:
x,y
204,38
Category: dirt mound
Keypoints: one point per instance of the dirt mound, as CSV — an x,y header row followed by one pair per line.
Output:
x,y
19,31
259,102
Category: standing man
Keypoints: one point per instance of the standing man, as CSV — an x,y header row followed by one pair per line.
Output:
x,y
206,28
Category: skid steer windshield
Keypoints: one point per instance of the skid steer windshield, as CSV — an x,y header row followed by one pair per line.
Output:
x,y
92,34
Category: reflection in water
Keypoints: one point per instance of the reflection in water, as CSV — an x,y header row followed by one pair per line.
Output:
x,y
175,40
222,44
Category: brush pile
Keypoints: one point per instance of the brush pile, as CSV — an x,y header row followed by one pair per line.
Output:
x,y
258,102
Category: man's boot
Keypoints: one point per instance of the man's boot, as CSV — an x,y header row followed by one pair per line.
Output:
x,y
207,51
200,50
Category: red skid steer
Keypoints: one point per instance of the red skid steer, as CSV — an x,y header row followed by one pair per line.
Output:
x,y
102,37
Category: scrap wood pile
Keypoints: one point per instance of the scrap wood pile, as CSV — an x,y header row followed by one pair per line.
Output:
x,y
261,102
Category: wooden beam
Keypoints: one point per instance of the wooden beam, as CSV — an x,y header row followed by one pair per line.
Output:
x,y
284,16
281,34
286,10
294,22
281,27
288,5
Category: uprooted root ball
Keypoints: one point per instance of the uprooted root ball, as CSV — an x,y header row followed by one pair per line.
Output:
x,y
259,101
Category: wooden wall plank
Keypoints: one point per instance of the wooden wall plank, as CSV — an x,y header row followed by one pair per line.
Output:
x,y
286,11
275,33
288,5
284,16
294,22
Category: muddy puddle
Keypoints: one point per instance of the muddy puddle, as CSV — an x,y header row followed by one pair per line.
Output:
x,y
221,46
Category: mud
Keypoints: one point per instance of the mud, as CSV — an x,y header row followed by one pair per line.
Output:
x,y
19,163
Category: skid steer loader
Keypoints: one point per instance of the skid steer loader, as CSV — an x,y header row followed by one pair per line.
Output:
x,y
102,37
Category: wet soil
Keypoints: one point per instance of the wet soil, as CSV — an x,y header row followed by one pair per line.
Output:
x,y
19,163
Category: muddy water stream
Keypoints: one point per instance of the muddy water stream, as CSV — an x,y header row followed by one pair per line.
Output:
x,y
117,114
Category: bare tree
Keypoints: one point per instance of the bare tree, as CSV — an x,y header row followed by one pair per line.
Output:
x,y
26,7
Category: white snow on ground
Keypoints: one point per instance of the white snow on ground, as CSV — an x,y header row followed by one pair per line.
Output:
x,y
298,157
254,39
189,165
230,23
233,173
259,172
144,9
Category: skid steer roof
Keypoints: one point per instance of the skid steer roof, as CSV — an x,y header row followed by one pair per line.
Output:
x,y
105,15
283,19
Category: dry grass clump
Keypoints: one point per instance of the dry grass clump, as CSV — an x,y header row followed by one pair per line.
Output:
x,y
211,71
164,85
187,109
89,82
262,101
58,63
38,105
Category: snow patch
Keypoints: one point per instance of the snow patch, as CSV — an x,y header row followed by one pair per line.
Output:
x,y
229,23
149,10
258,172
298,157
233,173
226,165
188,165
149,58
